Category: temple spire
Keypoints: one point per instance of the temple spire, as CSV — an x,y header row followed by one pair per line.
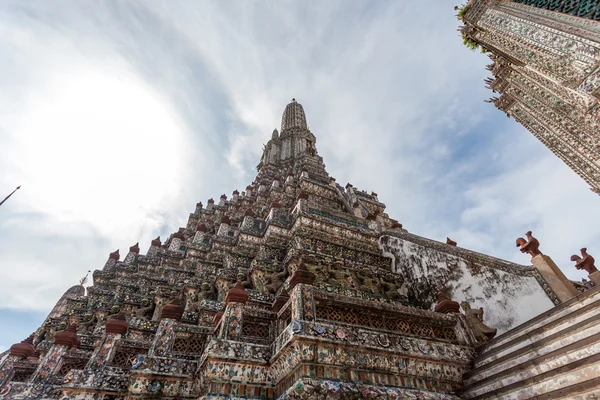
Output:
x,y
6,198
293,117
292,149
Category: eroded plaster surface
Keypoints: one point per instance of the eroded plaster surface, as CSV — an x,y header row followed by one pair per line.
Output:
x,y
501,291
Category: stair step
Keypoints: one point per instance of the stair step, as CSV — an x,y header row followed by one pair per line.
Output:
x,y
588,365
580,391
529,369
563,323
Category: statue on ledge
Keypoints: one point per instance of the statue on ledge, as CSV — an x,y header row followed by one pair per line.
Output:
x,y
146,309
482,332
586,263
529,246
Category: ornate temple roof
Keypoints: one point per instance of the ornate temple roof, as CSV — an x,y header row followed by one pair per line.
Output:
x,y
293,116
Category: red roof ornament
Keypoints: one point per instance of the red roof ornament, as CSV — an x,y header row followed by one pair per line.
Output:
x,y
201,228
223,196
114,255
396,225
225,220
117,324
178,235
68,337
24,349
302,275
249,187
156,242
249,213
135,248
237,294
211,201
173,310
445,304
276,204
235,192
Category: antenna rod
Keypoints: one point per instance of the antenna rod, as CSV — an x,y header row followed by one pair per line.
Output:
x,y
6,198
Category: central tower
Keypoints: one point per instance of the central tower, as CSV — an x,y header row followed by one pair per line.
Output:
x,y
292,150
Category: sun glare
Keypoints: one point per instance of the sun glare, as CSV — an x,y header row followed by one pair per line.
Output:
x,y
101,148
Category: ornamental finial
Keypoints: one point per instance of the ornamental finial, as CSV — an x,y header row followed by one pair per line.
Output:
x,y
83,280
11,193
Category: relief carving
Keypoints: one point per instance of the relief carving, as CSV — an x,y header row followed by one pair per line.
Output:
x,y
482,332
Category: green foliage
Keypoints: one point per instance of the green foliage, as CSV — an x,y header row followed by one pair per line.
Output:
x,y
462,10
471,44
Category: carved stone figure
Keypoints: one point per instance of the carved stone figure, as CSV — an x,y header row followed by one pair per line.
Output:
x,y
114,310
340,275
244,278
586,263
258,279
194,306
368,283
482,332
390,290
146,310
88,323
276,279
529,246
206,291
188,294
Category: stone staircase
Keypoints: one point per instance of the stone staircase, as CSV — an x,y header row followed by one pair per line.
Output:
x,y
555,355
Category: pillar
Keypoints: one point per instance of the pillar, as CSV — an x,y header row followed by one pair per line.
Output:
x,y
165,333
231,321
112,260
18,351
104,352
555,278
595,277
154,247
301,294
63,341
133,252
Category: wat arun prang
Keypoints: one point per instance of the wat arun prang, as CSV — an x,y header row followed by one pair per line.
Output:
x,y
296,288
546,69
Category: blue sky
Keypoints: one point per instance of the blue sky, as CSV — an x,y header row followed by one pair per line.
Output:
x,y
118,116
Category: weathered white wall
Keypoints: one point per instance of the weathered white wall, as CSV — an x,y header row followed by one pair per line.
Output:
x,y
508,298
